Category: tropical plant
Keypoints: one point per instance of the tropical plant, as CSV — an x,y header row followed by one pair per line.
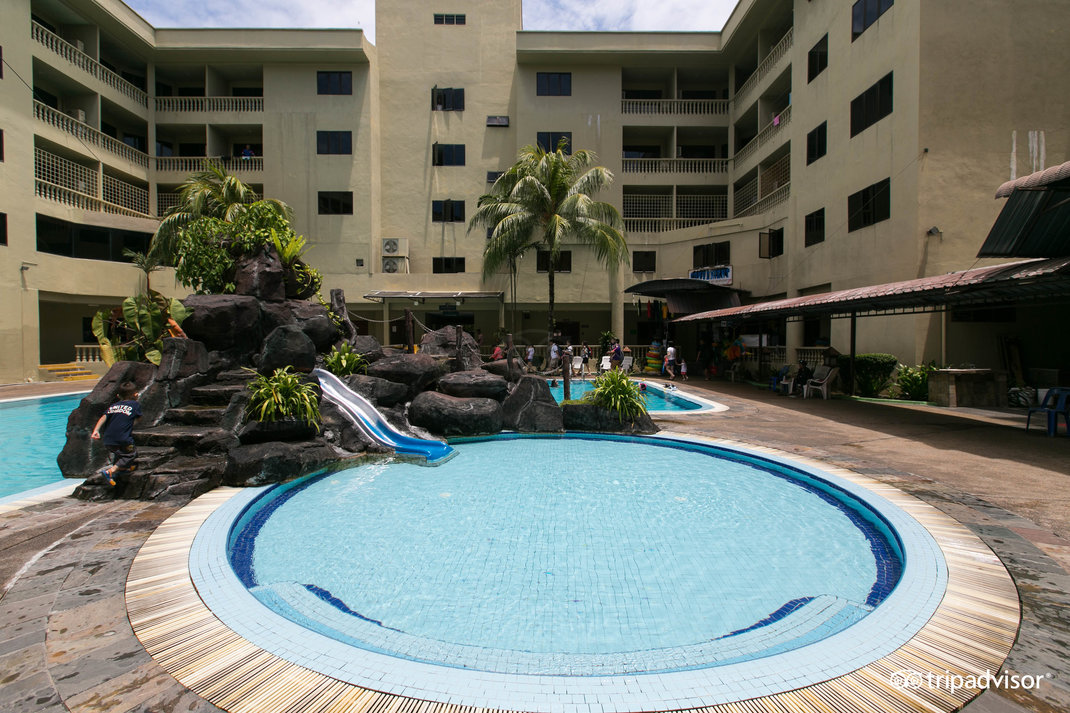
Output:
x,y
302,280
135,330
148,264
912,382
605,341
343,361
873,372
208,193
615,391
281,396
544,201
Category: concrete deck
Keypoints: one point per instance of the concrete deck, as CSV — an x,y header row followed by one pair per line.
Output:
x,y
66,643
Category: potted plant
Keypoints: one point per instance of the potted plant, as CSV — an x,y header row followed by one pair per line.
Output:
x,y
282,407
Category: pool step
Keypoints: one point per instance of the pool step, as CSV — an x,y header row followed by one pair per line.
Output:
x,y
181,437
183,477
70,371
196,414
215,394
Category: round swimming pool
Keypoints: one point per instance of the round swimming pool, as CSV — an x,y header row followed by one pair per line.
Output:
x,y
570,557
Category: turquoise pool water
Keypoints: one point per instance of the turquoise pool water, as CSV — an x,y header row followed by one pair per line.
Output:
x,y
34,432
656,399
568,556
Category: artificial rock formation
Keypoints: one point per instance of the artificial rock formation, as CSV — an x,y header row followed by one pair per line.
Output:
x,y
443,343
452,416
416,371
590,417
531,407
475,383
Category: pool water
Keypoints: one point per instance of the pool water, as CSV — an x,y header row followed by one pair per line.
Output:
x,y
657,399
34,432
568,556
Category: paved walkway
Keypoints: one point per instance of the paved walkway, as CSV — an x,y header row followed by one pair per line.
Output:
x,y
65,642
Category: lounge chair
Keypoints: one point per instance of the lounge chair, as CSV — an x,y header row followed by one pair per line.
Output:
x,y
606,365
823,377
578,366
626,365
1055,403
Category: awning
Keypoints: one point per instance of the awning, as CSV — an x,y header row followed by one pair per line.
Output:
x,y
1035,221
432,295
1030,280
686,296
1046,177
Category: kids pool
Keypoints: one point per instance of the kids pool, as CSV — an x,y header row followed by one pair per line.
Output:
x,y
34,431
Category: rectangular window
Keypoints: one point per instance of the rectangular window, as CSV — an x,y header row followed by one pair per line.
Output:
x,y
864,13
564,261
447,99
644,261
447,264
870,205
1,144
447,154
816,143
817,60
712,254
771,244
447,211
493,176
451,19
872,105
334,82
497,120
548,140
336,202
814,228
334,142
553,84
3,228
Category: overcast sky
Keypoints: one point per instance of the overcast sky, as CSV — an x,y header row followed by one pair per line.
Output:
x,y
538,14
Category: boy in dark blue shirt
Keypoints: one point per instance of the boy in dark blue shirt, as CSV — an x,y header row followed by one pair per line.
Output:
x,y
118,426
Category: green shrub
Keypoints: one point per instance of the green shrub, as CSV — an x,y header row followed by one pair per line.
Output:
x,y
343,361
873,372
605,341
615,391
135,331
912,382
283,395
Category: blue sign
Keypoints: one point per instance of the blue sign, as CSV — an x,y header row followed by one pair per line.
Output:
x,y
720,275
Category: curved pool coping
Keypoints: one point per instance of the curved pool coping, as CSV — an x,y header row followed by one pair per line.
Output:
x,y
949,576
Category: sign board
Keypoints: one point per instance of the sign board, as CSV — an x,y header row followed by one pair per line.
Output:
x,y
720,275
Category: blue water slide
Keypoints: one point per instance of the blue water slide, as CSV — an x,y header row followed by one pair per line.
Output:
x,y
368,419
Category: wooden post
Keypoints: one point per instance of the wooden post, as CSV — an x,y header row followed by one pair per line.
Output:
x,y
408,331
509,354
851,369
458,362
338,306
566,375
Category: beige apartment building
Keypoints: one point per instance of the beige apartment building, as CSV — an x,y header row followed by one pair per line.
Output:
x,y
811,145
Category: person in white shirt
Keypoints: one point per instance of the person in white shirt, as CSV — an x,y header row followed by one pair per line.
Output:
x,y
670,361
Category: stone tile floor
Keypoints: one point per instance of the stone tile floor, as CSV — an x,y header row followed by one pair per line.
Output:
x,y
65,642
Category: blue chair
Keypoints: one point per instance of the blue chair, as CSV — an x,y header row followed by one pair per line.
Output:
x,y
1056,403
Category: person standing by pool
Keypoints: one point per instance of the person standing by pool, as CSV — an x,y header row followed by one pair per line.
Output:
x,y
118,432
683,369
555,356
670,361
616,355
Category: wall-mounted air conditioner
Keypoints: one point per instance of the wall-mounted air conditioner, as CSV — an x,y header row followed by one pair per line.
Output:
x,y
393,265
79,114
395,247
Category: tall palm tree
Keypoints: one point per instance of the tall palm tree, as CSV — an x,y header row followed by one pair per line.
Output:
x,y
544,201
211,192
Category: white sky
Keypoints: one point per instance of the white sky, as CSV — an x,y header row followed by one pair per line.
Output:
x,y
538,14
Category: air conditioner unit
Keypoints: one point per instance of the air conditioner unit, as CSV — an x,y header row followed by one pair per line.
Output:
x,y
80,45
79,114
392,265
395,247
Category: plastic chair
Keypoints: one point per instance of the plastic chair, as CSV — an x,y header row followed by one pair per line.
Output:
x,y
777,379
626,365
1055,403
577,365
823,377
605,365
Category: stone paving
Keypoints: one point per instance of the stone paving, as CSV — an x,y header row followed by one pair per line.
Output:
x,y
66,644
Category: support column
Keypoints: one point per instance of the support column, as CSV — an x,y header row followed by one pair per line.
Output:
x,y
501,313
794,338
616,303
31,331
386,321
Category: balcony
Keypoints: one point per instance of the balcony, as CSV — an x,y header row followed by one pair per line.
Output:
x,y
769,188
80,59
674,107
766,135
654,213
87,134
192,164
209,104
675,165
767,66
64,181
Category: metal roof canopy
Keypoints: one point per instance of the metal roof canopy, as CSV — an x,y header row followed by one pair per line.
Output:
x,y
432,295
1025,281
687,295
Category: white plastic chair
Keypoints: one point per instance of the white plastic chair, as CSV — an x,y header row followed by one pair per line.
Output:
x,y
577,365
626,365
605,365
820,383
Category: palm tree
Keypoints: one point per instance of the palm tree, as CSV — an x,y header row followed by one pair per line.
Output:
x,y
146,262
544,201
211,192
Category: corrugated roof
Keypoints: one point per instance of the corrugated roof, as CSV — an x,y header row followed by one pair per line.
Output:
x,y
1035,180
1011,282
1035,222
430,294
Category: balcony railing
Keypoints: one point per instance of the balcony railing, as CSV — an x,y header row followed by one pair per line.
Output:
x,y
75,199
87,353
767,65
166,201
83,61
192,164
50,168
86,133
772,199
123,194
679,107
661,225
766,134
675,165
209,104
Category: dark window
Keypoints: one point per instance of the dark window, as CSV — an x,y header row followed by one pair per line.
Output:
x,y
498,120
452,19
334,142
447,99
870,205
1,144
3,228
771,244
1,62
564,261
712,254
864,13
814,228
818,59
816,143
336,202
447,211
447,154
548,140
191,150
447,264
553,84
493,176
59,237
644,261
334,82
872,105
246,91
